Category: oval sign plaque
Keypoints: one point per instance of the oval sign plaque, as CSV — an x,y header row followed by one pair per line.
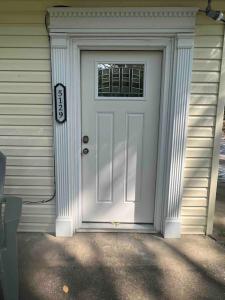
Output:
x,y
60,102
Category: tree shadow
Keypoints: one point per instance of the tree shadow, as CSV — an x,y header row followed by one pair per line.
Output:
x,y
89,265
116,266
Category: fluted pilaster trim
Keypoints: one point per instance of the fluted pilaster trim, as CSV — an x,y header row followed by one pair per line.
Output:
x,y
179,113
63,220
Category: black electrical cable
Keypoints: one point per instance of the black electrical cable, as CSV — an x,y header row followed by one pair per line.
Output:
x,y
209,4
53,196
40,201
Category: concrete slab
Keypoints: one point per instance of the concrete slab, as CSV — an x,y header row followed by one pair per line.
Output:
x,y
120,266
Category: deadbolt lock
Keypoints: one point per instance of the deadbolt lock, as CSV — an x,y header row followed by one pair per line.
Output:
x,y
85,139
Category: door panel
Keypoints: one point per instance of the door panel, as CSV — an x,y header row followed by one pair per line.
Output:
x,y
104,157
133,164
120,114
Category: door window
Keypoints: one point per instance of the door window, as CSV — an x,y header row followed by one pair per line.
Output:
x,y
120,80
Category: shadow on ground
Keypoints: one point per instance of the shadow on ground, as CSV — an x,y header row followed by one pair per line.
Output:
x,y
120,266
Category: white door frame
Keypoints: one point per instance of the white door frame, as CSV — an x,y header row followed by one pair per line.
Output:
x,y
169,30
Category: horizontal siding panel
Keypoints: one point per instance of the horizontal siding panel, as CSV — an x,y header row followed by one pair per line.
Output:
x,y
197,162
203,99
200,142
199,152
207,53
22,7
187,220
24,65
43,209
36,227
24,76
195,192
35,171
201,132
25,99
34,87
202,110
22,109
29,190
197,172
205,65
196,182
30,161
202,19
23,18
22,29
26,130
25,120
27,151
37,218
189,202
24,41
25,141
36,198
25,53
204,88
208,41
26,181
206,29
185,229
201,121
205,76
194,211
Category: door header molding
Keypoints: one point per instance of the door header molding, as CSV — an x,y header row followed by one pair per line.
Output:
x,y
170,30
123,12
132,19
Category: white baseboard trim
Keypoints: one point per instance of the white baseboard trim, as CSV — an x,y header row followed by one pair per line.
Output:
x,y
172,229
64,226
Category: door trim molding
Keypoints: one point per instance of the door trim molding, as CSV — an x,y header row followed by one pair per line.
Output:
x,y
166,29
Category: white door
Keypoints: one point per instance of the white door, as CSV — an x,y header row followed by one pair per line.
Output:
x,y
120,116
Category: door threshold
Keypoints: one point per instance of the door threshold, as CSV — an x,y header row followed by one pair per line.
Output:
x,y
117,227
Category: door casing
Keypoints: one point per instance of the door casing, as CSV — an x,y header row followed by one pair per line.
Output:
x,y
173,35
116,45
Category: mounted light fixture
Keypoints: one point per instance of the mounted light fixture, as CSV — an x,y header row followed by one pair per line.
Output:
x,y
216,15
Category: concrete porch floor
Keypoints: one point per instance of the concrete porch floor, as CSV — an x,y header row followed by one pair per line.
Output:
x,y
120,266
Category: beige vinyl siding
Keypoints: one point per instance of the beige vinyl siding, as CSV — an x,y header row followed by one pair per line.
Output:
x,y
201,121
26,133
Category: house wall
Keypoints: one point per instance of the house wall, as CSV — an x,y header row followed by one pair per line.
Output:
x,y
26,133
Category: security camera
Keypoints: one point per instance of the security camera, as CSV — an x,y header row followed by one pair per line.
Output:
x,y
213,14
